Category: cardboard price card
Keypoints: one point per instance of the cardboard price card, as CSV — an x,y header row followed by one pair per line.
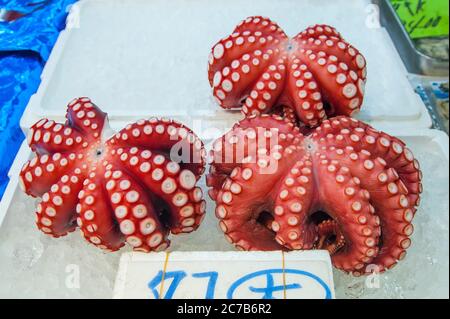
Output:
x,y
225,275
423,18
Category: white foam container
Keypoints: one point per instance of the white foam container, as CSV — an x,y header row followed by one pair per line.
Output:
x,y
138,59
141,58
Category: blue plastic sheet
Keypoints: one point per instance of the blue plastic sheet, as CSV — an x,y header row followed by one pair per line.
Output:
x,y
25,46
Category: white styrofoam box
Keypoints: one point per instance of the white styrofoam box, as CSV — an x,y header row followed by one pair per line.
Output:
x,y
225,275
138,58
33,265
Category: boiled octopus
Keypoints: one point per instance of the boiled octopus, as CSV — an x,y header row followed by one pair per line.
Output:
x,y
259,69
344,187
136,186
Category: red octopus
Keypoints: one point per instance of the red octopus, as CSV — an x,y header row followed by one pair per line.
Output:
x,y
345,187
135,186
314,74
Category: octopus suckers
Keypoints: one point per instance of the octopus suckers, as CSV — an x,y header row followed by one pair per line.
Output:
x,y
121,211
132,196
296,207
356,206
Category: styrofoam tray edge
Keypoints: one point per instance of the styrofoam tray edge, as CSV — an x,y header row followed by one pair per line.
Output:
x,y
21,157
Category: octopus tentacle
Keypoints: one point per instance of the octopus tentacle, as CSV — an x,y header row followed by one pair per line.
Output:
x,y
234,82
137,217
266,90
56,214
360,136
388,197
85,117
261,24
243,74
351,208
292,206
317,31
327,229
168,183
304,91
324,38
41,172
247,216
166,136
47,136
96,215
247,37
396,215
264,170
345,91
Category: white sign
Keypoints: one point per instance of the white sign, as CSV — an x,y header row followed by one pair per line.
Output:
x,y
225,275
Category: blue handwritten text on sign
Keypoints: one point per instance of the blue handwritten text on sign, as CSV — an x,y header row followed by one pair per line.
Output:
x,y
249,283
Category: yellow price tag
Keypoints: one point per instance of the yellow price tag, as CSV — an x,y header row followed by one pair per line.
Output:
x,y
423,18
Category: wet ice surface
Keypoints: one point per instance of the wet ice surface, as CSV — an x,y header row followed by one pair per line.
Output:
x,y
35,265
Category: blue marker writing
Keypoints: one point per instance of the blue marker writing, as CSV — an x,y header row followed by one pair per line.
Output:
x,y
177,277
270,288
211,282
